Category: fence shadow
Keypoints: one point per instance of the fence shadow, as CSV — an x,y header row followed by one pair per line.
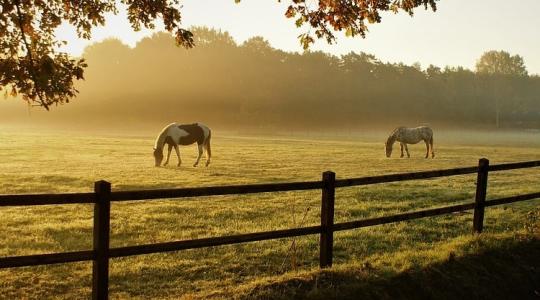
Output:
x,y
511,271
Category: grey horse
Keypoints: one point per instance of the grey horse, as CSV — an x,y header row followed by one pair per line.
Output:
x,y
405,135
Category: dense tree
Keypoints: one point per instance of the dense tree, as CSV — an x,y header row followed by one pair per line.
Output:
x,y
497,69
501,63
31,66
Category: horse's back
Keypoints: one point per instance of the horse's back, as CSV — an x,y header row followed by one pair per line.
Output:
x,y
413,135
195,132
423,129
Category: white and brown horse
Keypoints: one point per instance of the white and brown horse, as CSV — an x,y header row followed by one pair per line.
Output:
x,y
406,136
176,134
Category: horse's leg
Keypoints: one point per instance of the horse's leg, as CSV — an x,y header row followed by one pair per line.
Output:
x,y
407,150
431,144
178,154
168,155
401,147
208,152
200,154
427,148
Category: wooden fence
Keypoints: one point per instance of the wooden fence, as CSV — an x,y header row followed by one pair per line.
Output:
x,y
102,198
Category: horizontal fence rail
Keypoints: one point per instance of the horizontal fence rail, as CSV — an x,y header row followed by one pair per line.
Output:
x,y
46,199
404,176
215,191
403,217
211,242
513,166
46,259
512,199
102,197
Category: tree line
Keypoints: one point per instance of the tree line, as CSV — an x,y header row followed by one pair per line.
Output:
x,y
255,85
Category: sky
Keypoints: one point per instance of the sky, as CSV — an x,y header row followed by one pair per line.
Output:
x,y
456,35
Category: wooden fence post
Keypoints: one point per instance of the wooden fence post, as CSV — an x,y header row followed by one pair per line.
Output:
x,y
102,218
327,219
481,191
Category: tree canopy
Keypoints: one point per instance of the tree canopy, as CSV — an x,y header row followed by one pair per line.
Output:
x,y
498,67
31,66
501,63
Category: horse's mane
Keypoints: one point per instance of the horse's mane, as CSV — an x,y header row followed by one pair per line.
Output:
x,y
392,136
160,140
397,129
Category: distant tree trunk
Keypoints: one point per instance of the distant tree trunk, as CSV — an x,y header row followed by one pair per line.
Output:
x,y
497,113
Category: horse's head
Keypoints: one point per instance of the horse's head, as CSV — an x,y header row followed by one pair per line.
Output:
x,y
158,156
388,146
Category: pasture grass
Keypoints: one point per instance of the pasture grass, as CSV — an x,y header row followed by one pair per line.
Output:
x,y
52,162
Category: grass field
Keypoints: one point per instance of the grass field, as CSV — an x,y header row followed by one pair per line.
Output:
x,y
47,162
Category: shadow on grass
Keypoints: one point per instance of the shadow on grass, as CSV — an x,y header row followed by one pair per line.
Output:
x,y
509,272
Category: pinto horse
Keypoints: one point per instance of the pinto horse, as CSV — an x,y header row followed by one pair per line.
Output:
x,y
406,136
176,134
